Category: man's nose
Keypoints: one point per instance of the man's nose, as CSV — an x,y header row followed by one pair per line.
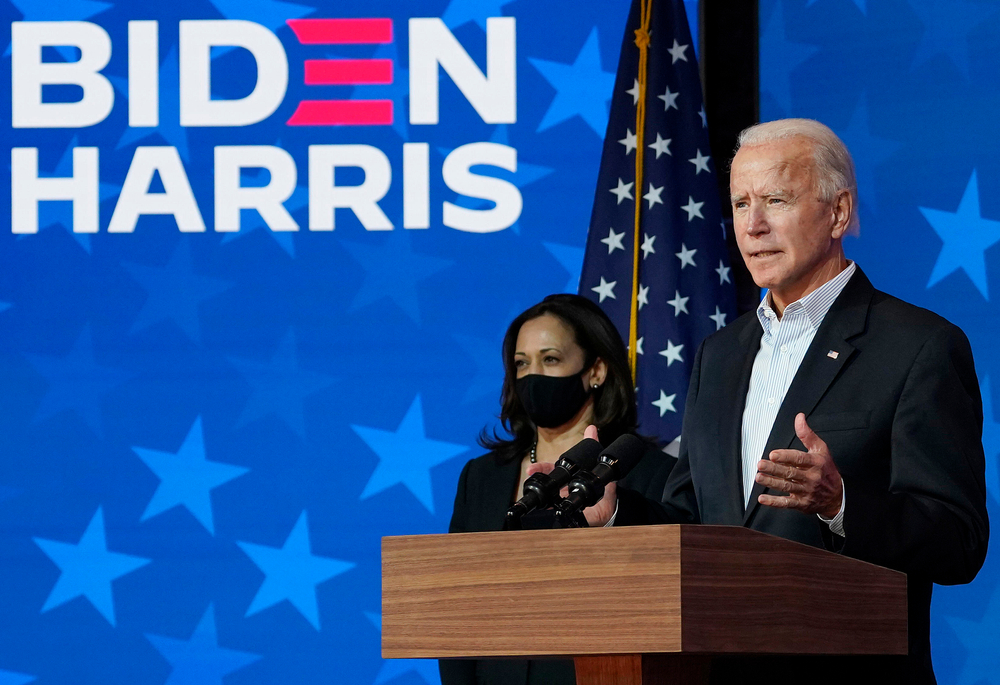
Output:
x,y
756,221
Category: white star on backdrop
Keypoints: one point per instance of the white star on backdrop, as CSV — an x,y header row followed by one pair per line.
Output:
x,y
719,318
669,100
665,403
661,146
700,162
606,290
672,353
679,303
653,196
677,52
623,191
693,208
630,141
647,245
686,256
614,240
723,272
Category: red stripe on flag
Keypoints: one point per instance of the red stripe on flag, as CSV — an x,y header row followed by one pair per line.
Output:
x,y
339,72
341,31
342,113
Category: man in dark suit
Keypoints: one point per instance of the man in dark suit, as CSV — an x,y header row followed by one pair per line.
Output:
x,y
835,415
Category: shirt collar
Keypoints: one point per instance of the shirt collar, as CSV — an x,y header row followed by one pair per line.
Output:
x,y
815,305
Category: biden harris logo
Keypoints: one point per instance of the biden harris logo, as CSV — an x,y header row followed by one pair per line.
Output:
x,y
157,181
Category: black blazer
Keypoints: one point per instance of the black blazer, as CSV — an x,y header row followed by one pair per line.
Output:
x,y
486,490
892,390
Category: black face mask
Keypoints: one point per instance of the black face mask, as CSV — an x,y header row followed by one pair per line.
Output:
x,y
551,401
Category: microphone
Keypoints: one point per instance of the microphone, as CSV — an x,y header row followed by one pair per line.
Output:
x,y
587,487
541,489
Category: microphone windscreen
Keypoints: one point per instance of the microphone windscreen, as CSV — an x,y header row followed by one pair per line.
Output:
x,y
625,452
584,454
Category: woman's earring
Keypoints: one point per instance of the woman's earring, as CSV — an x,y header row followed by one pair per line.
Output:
x,y
596,386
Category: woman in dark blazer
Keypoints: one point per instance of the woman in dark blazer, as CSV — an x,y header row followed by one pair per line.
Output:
x,y
565,368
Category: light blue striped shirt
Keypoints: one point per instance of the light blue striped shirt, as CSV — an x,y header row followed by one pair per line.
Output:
x,y
782,348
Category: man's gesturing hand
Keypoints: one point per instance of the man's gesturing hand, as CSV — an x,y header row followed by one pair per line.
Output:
x,y
811,479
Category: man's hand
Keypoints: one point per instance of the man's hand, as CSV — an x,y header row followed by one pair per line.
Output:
x,y
811,479
599,514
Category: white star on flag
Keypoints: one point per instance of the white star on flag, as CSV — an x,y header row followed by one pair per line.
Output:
x,y
647,245
669,100
631,142
679,303
704,118
719,318
723,272
677,52
686,256
614,240
672,353
692,208
638,345
623,191
643,296
606,289
653,196
700,162
634,92
665,403
661,146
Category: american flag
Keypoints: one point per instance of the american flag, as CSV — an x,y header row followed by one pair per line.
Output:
x,y
685,287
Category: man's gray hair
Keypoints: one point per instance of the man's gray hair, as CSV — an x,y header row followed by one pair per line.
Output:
x,y
833,163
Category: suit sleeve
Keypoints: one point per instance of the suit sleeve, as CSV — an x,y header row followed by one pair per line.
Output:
x,y
459,671
932,520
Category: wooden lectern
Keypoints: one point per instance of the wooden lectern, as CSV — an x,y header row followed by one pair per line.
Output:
x,y
646,604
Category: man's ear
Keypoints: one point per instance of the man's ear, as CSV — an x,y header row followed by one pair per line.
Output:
x,y
843,210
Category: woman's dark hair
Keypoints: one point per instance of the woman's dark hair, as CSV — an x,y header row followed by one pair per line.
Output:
x,y
614,400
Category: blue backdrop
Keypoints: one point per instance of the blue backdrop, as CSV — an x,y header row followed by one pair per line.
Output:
x,y
911,87
205,433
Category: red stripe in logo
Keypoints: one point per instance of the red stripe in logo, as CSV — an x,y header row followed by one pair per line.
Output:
x,y
342,72
342,113
341,31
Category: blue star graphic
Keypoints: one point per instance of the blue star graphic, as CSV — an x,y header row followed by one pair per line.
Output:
x,y
12,678
398,91
489,368
65,10
187,478
862,5
174,291
77,382
582,88
252,221
406,456
991,440
394,668
8,492
946,29
982,663
169,129
60,213
292,572
393,271
779,57
460,12
87,568
269,13
571,259
279,387
200,660
868,151
4,306
966,236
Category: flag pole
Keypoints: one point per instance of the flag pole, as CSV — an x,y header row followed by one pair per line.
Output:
x,y
642,42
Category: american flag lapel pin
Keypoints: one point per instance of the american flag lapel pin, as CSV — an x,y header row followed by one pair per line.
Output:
x,y
833,354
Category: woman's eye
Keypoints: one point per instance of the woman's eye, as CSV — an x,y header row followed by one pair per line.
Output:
x,y
552,360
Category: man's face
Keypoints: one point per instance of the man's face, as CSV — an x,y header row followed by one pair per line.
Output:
x,y
789,238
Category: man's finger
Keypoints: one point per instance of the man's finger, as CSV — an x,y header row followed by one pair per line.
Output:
x,y
813,442
780,484
792,458
776,468
778,502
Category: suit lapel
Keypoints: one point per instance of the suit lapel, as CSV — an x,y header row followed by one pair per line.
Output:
x,y
497,493
826,356
736,385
